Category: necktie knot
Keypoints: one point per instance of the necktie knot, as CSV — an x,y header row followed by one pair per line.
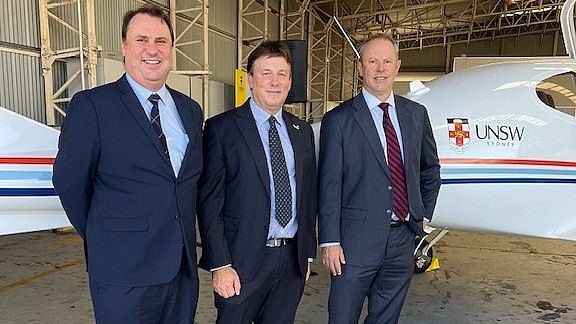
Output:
x,y
272,121
154,98
155,120
384,106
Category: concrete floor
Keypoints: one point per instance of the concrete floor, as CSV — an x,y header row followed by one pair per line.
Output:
x,y
482,279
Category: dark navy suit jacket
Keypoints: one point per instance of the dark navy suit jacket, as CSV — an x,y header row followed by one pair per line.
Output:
x,y
234,203
119,190
355,199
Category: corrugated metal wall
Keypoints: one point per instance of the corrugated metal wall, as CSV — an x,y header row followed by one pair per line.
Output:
x,y
60,36
21,87
222,59
433,59
19,22
109,15
223,15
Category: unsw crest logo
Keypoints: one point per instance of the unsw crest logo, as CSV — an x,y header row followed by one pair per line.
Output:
x,y
500,136
459,134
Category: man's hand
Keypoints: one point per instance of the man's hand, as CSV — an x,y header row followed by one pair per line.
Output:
x,y
226,282
427,229
333,258
308,271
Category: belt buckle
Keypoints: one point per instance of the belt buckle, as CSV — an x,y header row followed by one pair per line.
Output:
x,y
396,223
275,242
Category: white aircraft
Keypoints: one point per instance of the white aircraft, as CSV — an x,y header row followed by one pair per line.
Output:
x,y
506,136
27,198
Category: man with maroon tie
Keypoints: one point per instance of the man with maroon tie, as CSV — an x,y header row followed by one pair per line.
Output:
x,y
379,180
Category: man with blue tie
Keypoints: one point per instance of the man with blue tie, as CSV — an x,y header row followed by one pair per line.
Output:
x,y
257,200
126,172
379,180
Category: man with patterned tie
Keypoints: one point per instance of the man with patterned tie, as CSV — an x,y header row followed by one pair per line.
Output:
x,y
379,180
126,172
257,200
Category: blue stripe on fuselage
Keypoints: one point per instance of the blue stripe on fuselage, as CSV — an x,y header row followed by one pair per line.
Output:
x,y
12,192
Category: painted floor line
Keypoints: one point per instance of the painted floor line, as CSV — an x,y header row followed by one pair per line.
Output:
x,y
40,275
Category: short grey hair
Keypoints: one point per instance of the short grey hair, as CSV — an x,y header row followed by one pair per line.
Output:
x,y
379,36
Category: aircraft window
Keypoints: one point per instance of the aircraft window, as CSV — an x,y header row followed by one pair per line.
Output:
x,y
559,92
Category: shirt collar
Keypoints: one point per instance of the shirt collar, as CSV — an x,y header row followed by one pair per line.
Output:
x,y
373,102
261,116
143,93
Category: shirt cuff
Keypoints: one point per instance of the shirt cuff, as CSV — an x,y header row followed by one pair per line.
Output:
x,y
329,244
222,267
310,260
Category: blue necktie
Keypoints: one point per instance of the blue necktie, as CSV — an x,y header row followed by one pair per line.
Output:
x,y
399,195
282,191
155,120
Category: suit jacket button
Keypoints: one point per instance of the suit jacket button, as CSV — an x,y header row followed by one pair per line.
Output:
x,y
178,218
266,228
388,211
389,188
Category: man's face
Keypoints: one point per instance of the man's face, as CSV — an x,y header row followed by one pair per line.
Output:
x,y
147,51
270,82
378,67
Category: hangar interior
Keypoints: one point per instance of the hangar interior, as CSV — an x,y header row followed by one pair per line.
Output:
x,y
49,49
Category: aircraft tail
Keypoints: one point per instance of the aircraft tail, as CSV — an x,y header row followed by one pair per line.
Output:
x,y
28,201
567,25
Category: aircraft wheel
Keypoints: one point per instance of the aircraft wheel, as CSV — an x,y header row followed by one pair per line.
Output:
x,y
422,261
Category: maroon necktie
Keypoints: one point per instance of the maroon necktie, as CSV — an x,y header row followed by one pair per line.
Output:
x,y
396,167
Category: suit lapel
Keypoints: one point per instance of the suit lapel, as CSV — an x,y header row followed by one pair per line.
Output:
x,y
405,120
135,108
364,119
295,134
247,126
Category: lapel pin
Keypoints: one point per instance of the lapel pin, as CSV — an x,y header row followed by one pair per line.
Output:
x,y
296,126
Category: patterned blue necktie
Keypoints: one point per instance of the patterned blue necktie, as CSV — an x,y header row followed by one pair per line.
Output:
x,y
282,191
155,120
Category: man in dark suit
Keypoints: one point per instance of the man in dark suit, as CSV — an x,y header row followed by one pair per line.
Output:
x,y
379,180
126,172
257,200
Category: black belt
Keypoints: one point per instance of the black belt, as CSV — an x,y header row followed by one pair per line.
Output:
x,y
397,224
278,242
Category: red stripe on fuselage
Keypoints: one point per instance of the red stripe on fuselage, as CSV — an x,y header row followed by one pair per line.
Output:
x,y
26,160
508,161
